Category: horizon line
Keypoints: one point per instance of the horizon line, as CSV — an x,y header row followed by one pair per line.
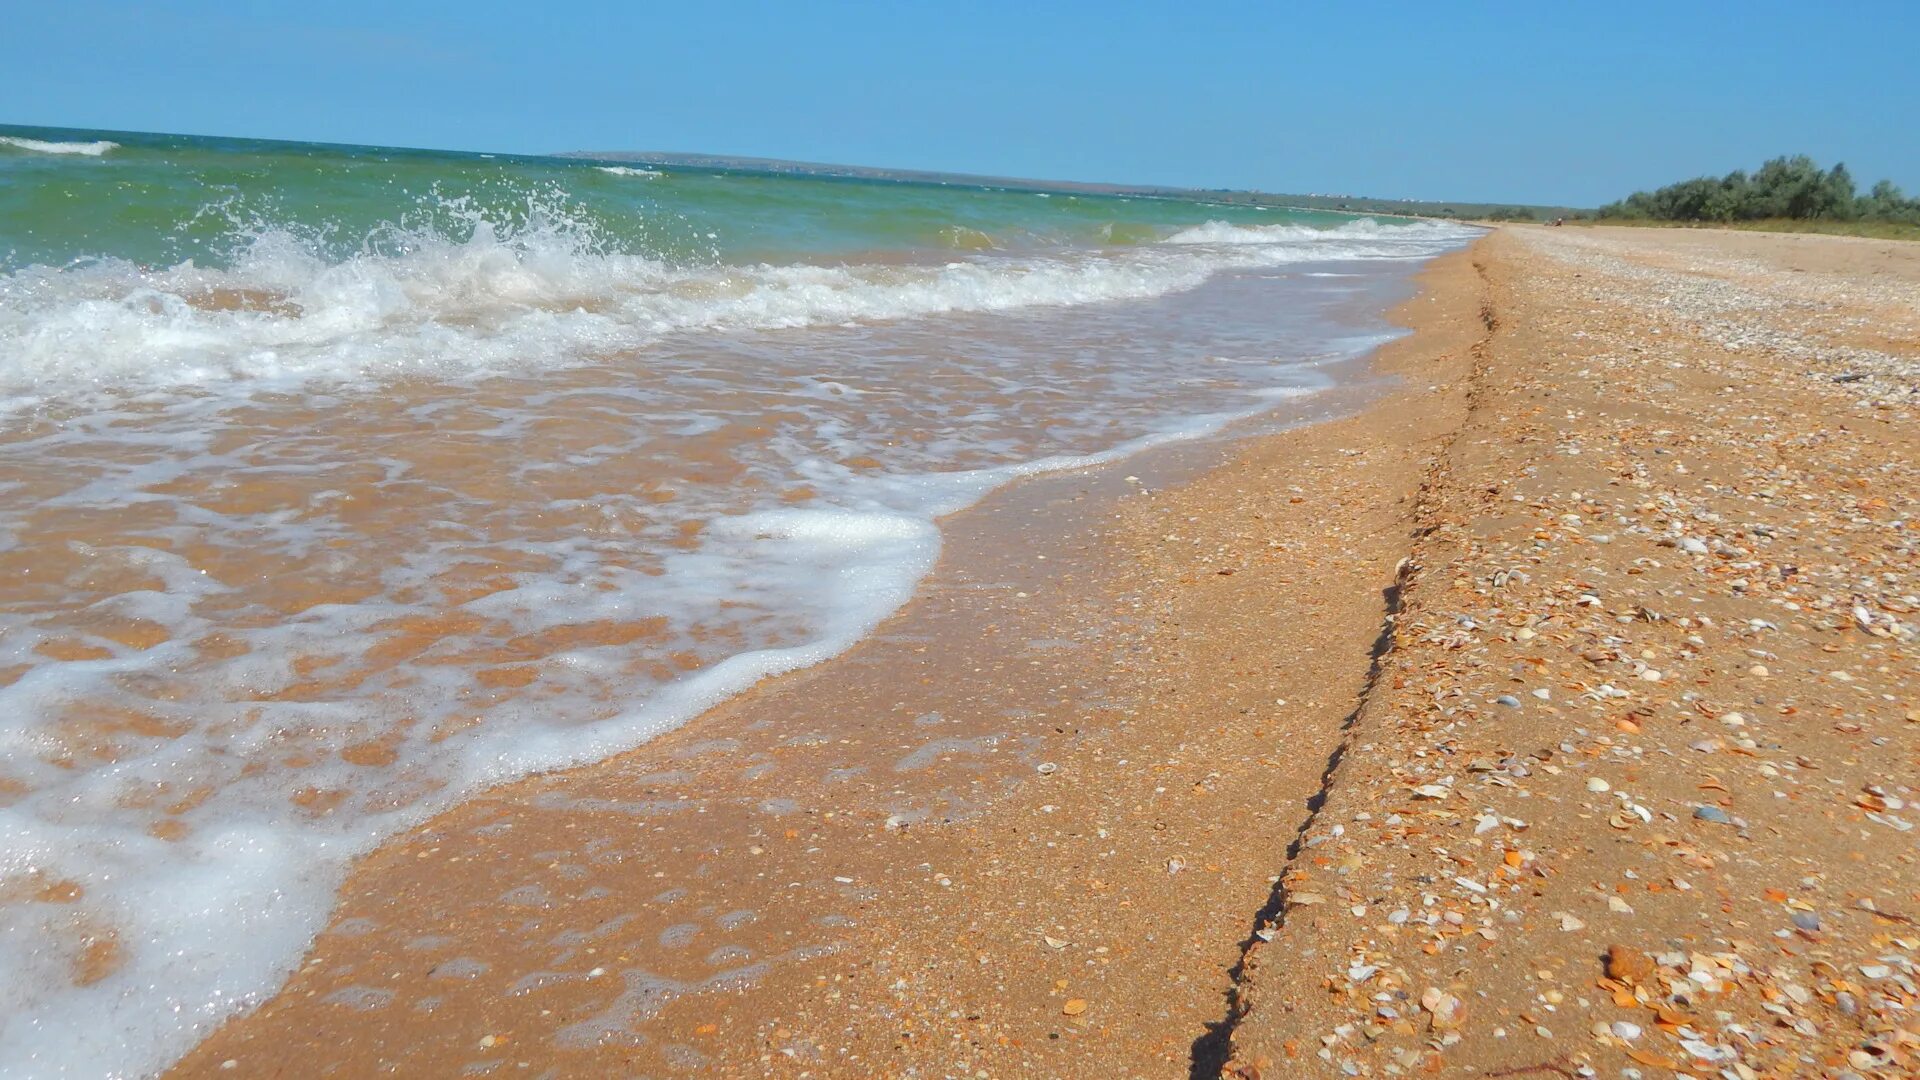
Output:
x,y
909,174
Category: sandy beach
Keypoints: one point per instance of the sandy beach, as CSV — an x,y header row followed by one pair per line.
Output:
x,y
1543,704
1631,796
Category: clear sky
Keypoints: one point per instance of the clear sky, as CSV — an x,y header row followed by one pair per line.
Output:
x,y
1543,102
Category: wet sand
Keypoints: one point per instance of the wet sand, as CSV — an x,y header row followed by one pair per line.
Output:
x,y
1348,750
1063,774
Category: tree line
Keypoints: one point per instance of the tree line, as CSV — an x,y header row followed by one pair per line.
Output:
x,y
1787,187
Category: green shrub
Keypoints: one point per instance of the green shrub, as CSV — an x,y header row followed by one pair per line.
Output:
x,y
1790,188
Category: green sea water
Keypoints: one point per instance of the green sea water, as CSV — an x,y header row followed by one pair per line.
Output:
x,y
160,199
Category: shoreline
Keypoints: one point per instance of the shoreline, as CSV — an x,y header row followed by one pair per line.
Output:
x,y
1553,713
331,614
692,770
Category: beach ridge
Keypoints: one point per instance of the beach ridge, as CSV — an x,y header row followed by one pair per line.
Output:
x,y
1212,1050
1631,797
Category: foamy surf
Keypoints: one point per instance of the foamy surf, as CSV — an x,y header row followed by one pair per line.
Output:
x,y
318,524
502,300
628,170
1409,232
37,146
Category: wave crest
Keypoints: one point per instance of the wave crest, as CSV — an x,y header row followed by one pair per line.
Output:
x,y
1221,232
88,149
458,293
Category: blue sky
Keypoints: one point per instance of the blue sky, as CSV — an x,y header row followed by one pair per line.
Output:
x,y
1544,102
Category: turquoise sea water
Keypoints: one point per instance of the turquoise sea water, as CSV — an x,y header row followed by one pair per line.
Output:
x,y
159,199
339,483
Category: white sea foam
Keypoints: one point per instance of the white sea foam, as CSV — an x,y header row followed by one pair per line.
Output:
x,y
210,924
500,299
88,149
1412,234
628,170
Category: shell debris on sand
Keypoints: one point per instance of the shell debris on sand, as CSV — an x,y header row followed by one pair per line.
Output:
x,y
1666,511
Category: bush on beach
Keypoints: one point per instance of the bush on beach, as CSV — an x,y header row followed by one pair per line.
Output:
x,y
1786,188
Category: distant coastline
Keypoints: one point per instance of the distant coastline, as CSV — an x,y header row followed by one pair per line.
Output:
x,y
816,169
1337,203
1351,204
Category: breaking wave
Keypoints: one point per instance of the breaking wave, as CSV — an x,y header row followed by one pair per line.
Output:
x,y
87,149
1220,232
469,295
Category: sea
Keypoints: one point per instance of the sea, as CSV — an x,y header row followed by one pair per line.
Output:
x,y
338,483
